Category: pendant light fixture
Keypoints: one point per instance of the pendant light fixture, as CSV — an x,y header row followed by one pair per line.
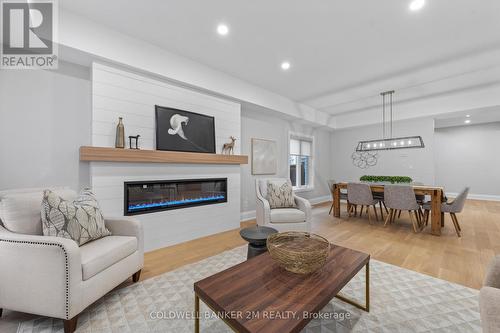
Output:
x,y
388,142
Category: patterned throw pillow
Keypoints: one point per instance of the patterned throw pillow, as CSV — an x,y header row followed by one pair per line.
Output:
x,y
280,194
80,220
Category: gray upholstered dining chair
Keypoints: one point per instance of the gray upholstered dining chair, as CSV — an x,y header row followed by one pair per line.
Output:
x,y
361,194
343,194
399,198
454,207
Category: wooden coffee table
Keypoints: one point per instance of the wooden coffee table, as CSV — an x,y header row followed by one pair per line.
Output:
x,y
259,296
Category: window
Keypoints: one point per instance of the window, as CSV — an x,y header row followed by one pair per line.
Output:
x,y
300,162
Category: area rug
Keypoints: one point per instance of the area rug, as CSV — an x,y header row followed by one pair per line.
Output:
x,y
401,301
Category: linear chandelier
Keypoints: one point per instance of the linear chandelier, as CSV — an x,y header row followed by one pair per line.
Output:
x,y
388,142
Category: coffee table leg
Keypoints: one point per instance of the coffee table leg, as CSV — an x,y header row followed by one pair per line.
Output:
x,y
196,314
365,307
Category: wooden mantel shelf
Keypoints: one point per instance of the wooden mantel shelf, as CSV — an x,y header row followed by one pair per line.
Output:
x,y
105,154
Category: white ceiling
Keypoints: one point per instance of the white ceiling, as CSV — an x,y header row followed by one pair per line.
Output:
x,y
342,52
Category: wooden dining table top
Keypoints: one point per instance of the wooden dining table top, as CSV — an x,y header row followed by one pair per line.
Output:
x,y
418,187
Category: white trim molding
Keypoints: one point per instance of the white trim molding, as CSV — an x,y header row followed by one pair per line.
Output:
x,y
484,197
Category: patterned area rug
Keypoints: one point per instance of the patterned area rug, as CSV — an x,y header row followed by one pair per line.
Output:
x,y
401,301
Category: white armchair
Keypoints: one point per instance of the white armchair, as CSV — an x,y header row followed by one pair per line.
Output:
x,y
52,276
281,219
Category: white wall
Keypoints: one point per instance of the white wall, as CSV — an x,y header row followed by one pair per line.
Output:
x,y
416,163
44,119
469,156
262,126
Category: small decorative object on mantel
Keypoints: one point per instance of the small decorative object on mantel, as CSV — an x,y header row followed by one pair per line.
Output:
x,y
133,141
228,148
298,252
120,134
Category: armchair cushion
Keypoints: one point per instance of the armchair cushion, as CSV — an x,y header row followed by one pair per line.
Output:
x,y
287,215
103,253
280,194
20,209
80,220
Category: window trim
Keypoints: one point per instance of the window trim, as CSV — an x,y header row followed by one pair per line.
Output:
x,y
303,137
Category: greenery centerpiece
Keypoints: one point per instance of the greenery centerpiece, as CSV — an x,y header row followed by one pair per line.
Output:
x,y
386,179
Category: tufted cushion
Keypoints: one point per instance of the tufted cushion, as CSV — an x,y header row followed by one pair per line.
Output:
x,y
287,215
105,252
20,209
80,220
280,194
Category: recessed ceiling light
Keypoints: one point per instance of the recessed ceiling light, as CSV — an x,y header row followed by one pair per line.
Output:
x,y
285,65
467,116
467,121
417,5
222,29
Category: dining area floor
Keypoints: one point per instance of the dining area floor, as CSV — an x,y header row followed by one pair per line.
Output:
x,y
462,260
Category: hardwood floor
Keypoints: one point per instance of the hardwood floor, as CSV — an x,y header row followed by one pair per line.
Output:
x,y
460,260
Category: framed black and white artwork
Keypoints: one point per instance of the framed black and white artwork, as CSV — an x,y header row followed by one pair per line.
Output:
x,y
179,130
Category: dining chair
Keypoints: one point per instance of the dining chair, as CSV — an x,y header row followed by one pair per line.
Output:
x,y
343,194
399,198
361,194
454,207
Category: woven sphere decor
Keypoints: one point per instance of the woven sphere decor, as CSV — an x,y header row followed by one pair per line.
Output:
x,y
298,252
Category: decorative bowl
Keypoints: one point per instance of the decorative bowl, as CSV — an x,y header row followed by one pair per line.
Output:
x,y
298,252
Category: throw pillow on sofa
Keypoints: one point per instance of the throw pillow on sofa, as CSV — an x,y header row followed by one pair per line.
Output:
x,y
280,194
80,220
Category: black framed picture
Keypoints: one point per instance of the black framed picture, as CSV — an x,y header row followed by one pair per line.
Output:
x,y
180,130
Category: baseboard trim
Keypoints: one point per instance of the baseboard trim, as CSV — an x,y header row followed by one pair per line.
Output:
x,y
318,200
250,215
484,197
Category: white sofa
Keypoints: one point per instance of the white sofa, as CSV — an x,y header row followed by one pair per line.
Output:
x,y
52,276
281,219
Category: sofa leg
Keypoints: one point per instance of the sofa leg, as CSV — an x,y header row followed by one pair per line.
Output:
x,y
70,325
1,310
136,276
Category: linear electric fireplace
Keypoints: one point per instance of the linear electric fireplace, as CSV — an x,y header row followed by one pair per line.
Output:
x,y
143,197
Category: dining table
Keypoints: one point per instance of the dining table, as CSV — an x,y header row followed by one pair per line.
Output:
x,y
435,192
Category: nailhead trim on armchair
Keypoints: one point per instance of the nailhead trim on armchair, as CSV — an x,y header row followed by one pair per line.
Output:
x,y
65,258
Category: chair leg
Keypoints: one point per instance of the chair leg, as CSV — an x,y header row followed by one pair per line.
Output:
x,y
369,214
136,276
355,210
394,215
381,211
399,214
456,219
385,207
419,220
375,210
70,325
349,210
413,222
455,223
361,211
426,216
1,310
389,216
331,208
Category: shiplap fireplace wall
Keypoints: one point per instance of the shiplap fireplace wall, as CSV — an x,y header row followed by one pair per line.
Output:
x,y
118,93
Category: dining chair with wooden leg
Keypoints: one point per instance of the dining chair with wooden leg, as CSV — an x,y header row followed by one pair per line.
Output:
x,y
401,197
454,207
361,194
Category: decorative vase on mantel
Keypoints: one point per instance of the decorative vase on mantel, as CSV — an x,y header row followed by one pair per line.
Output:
x,y
120,134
